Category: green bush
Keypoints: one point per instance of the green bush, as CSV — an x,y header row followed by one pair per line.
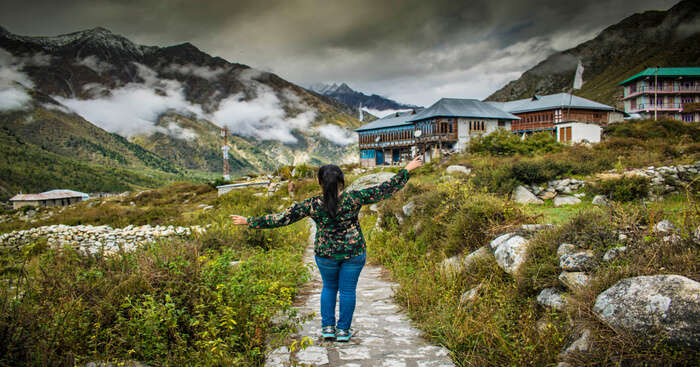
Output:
x,y
622,189
504,142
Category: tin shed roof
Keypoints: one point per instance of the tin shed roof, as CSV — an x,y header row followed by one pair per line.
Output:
x,y
393,120
50,195
456,107
549,102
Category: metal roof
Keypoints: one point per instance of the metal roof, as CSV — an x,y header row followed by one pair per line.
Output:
x,y
393,120
548,102
665,72
50,195
455,107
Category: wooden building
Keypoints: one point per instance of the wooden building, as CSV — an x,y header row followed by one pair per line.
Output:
x,y
446,125
48,198
664,93
545,113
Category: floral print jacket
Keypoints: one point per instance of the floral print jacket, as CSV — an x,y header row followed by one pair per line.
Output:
x,y
339,238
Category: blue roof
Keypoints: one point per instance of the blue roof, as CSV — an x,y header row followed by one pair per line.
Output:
x,y
548,102
393,120
455,107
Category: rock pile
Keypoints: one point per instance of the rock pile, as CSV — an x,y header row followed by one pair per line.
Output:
x,y
665,179
536,194
95,239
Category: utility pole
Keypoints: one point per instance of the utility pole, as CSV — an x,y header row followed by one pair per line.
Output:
x,y
656,89
225,149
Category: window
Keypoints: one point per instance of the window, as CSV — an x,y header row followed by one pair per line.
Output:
x,y
501,123
687,117
477,126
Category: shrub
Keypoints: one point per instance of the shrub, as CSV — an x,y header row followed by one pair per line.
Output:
x,y
622,189
504,142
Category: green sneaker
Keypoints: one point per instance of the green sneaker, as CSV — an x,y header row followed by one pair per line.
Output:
x,y
343,335
328,332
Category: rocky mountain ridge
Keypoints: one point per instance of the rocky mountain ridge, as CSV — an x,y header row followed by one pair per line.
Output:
x,y
343,93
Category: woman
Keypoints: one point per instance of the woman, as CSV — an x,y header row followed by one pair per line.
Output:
x,y
339,245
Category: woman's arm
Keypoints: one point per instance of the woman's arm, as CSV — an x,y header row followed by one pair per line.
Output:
x,y
380,192
290,215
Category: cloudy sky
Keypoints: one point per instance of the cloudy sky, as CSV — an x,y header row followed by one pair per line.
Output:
x,y
414,51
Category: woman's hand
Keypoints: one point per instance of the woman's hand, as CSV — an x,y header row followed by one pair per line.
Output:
x,y
239,221
415,163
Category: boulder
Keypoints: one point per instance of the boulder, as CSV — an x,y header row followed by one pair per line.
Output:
x,y
575,280
369,181
470,295
458,169
665,226
614,253
459,262
536,227
578,261
581,344
510,253
546,195
553,298
408,208
565,249
600,200
666,306
566,200
521,195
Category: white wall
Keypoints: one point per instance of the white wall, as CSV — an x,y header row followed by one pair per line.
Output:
x,y
582,131
463,135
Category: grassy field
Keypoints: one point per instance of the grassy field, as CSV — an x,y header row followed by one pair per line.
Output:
x,y
211,299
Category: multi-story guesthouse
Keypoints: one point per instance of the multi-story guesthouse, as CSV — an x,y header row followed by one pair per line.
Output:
x,y
664,93
450,123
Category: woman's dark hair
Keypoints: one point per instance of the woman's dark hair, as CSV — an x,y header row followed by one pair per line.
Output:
x,y
329,177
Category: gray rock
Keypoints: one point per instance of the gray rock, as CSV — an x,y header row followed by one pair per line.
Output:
x,y
470,295
581,344
278,357
521,195
575,280
546,195
499,240
374,207
614,253
664,226
369,181
565,249
510,254
458,263
600,200
566,200
578,261
408,208
553,298
458,169
536,227
654,306
580,195
313,355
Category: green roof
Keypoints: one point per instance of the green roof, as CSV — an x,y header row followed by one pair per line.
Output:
x,y
687,71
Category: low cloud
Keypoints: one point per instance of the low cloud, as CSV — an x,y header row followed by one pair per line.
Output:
x,y
337,135
203,72
263,116
134,109
95,64
13,82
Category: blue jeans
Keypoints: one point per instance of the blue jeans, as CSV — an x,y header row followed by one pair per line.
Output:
x,y
339,275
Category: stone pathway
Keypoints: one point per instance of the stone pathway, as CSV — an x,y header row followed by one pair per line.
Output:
x,y
383,335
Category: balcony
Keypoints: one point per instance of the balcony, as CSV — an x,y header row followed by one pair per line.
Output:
x,y
519,127
663,90
676,107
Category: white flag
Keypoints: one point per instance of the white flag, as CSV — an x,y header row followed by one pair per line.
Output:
x,y
578,79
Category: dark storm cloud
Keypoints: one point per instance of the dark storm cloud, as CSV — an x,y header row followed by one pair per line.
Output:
x,y
412,50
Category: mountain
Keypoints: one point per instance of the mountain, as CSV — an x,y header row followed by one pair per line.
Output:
x,y
97,96
664,38
350,97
